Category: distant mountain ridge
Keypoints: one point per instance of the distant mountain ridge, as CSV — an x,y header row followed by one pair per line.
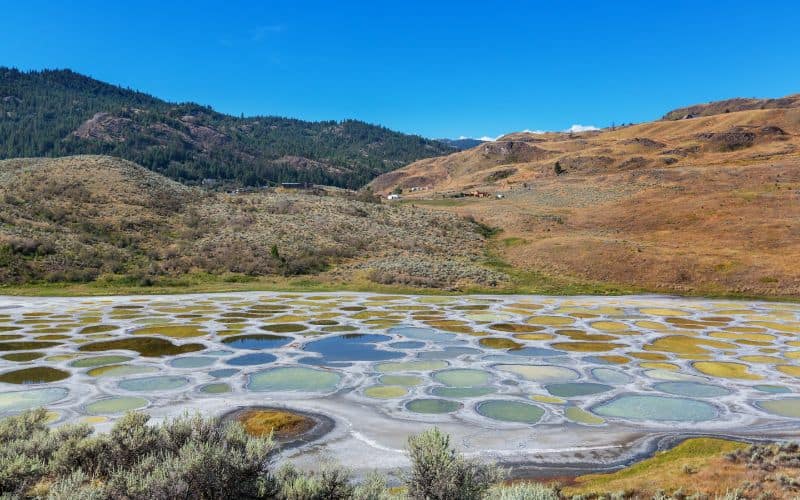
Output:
x,y
732,106
462,143
60,112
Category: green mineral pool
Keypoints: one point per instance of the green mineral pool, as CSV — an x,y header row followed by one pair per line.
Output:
x,y
540,373
789,407
403,380
215,388
294,379
30,398
158,383
656,408
385,391
433,405
410,366
692,389
510,411
462,377
576,389
95,361
115,405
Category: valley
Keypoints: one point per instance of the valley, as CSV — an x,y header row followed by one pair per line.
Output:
x,y
703,205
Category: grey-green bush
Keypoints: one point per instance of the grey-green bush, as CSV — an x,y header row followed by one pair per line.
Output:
x,y
195,458
438,472
189,457
524,491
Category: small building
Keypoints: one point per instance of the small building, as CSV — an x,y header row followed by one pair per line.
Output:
x,y
393,196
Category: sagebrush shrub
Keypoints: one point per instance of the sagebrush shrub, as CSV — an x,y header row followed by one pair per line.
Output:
x,y
438,472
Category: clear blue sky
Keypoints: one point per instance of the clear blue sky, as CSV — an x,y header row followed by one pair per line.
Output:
x,y
439,69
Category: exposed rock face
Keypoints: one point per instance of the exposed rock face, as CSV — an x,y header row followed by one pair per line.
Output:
x,y
513,151
307,164
105,127
644,142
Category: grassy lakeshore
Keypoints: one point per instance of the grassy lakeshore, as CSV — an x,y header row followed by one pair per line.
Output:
x,y
523,283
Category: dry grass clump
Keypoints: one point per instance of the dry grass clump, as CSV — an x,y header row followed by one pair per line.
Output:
x,y
431,272
702,468
280,424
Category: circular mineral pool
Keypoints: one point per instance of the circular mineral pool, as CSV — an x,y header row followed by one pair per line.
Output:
x,y
352,347
30,398
215,388
415,333
656,408
576,389
499,343
116,404
403,380
256,341
462,392
159,383
462,377
34,375
257,358
192,362
609,376
772,389
407,344
540,373
692,389
385,391
99,361
510,411
22,357
536,352
284,328
433,405
294,378
410,366
223,372
788,407
120,370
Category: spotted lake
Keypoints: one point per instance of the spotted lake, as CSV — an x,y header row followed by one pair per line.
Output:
x,y
521,379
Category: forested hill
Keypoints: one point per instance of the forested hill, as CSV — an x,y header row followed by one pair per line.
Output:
x,y
60,112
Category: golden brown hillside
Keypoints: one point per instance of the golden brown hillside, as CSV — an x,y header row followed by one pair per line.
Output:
x,y
702,205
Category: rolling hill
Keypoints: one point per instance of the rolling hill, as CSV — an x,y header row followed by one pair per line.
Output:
x,y
100,219
708,204
59,113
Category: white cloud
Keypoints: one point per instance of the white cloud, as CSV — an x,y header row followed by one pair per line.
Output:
x,y
575,128
581,128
